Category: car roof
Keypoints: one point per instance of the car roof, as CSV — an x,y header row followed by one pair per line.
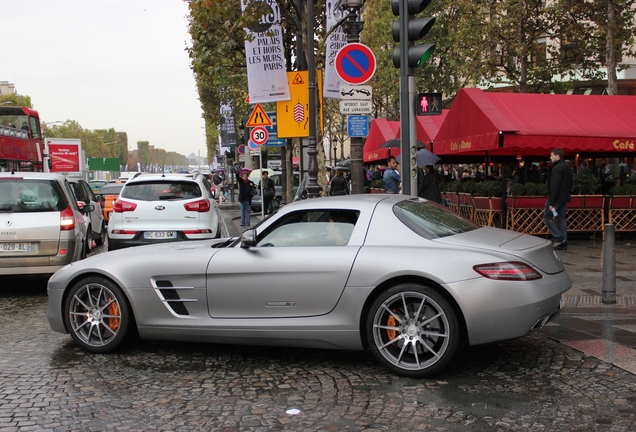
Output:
x,y
113,188
163,177
32,175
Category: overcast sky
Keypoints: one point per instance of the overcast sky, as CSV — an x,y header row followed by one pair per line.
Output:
x,y
116,64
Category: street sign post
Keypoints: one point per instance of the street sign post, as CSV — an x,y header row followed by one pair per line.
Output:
x,y
355,63
362,92
258,117
273,140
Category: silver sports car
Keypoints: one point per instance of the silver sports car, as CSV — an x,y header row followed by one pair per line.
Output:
x,y
401,276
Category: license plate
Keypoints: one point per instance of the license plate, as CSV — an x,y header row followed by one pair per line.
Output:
x,y
563,301
160,234
15,247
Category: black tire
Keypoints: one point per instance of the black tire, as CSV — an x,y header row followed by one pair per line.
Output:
x,y
88,245
102,236
413,330
97,315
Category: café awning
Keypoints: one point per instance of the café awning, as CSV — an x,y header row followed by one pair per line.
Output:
x,y
534,124
383,130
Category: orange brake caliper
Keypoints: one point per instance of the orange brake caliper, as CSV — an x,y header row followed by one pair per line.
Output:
x,y
113,309
391,322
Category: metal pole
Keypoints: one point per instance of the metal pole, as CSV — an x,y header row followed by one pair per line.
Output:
x,y
405,100
260,163
609,265
313,188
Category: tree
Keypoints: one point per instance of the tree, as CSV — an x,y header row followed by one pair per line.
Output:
x,y
14,99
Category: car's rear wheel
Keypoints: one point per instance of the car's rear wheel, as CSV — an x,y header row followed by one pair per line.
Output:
x,y
97,315
102,236
413,330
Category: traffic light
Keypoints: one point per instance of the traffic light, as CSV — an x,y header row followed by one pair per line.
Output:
x,y
428,104
409,29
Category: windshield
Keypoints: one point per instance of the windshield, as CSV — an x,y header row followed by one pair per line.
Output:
x,y
21,195
431,220
161,190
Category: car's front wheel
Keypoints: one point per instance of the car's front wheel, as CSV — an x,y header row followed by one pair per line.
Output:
x,y
88,246
97,315
413,330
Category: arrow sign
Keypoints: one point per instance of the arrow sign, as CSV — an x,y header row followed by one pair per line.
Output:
x,y
355,63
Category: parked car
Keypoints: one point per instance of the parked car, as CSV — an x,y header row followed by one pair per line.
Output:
x,y
401,276
109,194
96,185
95,223
159,208
41,227
278,187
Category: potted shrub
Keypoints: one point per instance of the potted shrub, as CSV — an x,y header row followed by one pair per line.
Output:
x,y
377,186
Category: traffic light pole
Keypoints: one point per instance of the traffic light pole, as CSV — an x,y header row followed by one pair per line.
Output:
x,y
407,101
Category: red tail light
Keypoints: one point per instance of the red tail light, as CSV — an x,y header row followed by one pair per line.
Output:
x,y
513,271
120,206
200,206
67,219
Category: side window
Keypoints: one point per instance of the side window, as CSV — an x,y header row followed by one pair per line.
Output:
x,y
311,228
88,191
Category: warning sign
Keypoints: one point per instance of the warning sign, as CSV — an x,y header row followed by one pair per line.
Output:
x,y
258,117
293,115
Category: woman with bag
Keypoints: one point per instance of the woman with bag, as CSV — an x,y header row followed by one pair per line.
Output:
x,y
339,184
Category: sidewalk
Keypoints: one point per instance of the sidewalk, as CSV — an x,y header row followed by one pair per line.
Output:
x,y
607,332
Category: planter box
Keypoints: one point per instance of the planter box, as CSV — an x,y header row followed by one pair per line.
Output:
x,y
622,213
377,191
487,211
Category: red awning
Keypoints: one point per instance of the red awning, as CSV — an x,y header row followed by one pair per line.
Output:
x,y
381,131
534,124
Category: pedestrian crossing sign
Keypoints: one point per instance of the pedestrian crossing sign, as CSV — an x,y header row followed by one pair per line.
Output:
x,y
259,117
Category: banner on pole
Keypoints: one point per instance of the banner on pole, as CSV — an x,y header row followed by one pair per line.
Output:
x,y
265,56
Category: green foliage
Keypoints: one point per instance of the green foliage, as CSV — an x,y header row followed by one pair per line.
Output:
x,y
542,189
630,189
16,100
531,189
489,188
585,184
377,184
617,190
517,189
469,186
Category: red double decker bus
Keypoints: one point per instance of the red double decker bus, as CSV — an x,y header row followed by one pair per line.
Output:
x,y
20,140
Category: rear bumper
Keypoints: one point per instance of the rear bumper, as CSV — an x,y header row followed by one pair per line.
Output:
x,y
32,265
139,240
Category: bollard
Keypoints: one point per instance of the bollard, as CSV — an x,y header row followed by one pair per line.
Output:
x,y
609,265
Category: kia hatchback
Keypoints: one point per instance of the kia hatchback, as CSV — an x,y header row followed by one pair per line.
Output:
x,y
157,208
41,227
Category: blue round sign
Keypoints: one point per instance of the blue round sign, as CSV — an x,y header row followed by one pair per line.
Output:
x,y
355,63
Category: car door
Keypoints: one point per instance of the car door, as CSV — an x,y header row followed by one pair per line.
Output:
x,y
97,215
302,274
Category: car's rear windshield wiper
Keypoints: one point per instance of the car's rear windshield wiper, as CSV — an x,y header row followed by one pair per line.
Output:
x,y
7,208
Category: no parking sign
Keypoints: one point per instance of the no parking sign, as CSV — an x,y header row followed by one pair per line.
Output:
x,y
355,63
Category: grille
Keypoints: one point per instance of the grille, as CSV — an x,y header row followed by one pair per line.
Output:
x,y
171,296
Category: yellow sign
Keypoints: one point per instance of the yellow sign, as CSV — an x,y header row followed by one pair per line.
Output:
x,y
292,116
259,117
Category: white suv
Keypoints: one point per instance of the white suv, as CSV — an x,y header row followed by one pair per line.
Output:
x,y
157,208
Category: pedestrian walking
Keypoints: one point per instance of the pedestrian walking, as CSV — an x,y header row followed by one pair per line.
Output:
x,y
428,184
392,178
245,196
560,186
269,192
339,184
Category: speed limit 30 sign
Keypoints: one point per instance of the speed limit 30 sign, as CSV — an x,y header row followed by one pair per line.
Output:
x,y
259,135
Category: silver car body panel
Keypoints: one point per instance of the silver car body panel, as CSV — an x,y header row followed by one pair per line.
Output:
x,y
316,297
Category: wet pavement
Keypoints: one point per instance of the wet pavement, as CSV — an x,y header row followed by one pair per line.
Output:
x,y
573,375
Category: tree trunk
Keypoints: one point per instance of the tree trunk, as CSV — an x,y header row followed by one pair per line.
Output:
x,y
612,85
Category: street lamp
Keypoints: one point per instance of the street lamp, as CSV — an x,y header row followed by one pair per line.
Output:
x,y
352,27
335,149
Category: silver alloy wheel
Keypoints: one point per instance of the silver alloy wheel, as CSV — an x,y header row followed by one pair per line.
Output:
x,y
411,331
94,314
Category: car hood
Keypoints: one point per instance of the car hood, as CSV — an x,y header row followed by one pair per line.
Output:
x,y
534,250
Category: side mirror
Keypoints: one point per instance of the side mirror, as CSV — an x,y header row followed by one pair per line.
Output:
x,y
248,239
87,208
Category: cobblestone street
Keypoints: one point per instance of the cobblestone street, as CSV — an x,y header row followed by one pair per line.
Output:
x,y
534,383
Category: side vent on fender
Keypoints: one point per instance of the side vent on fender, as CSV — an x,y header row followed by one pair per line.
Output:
x,y
171,297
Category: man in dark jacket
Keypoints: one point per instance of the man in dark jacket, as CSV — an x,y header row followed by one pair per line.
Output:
x,y
560,185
